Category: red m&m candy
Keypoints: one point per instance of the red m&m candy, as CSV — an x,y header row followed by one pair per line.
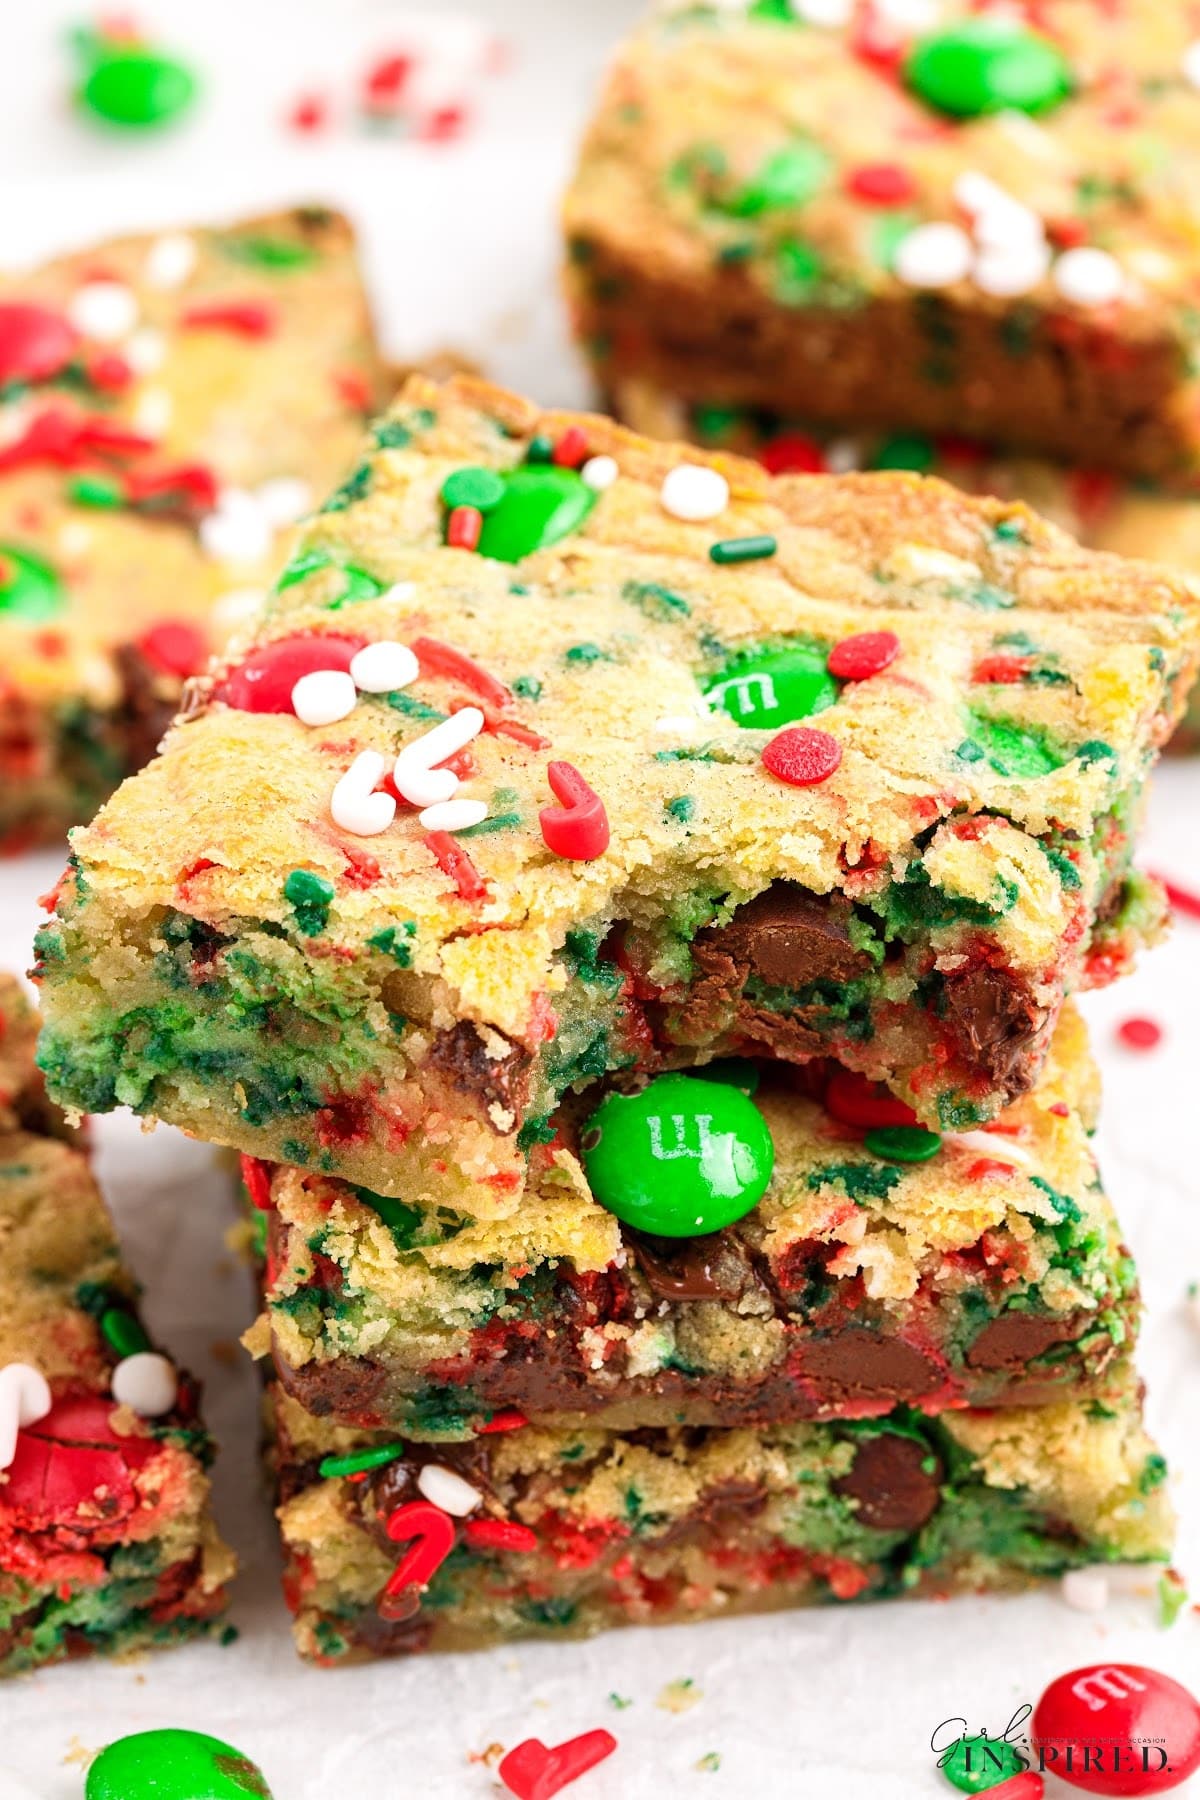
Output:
x,y
35,343
263,683
1118,1728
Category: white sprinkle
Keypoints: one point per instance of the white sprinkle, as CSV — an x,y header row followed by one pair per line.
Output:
x,y
400,592
1089,277
74,540
153,411
454,815
147,1382
324,697
355,805
693,492
285,499
933,256
416,775
104,310
600,472
996,215
169,260
830,13
384,667
24,1399
989,1143
1189,63
1009,269
444,1488
235,607
146,350
842,455
1085,1590
238,531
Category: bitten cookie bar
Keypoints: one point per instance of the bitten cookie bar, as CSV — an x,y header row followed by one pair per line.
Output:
x,y
980,222
881,1265
392,1550
508,789
106,1540
169,407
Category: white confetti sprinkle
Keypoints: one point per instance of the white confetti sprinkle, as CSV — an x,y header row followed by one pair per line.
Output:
x,y
400,592
416,775
146,350
384,667
24,1399
238,531
355,805
147,1382
447,1489
1085,1590
989,1143
1089,277
600,472
104,310
170,260
454,815
324,696
1009,269
933,256
693,492
285,499
1189,63
842,455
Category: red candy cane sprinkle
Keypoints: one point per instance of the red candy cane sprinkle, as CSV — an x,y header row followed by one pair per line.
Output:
x,y
431,1534
801,756
454,861
1001,670
464,528
578,828
1140,1034
867,653
437,658
246,318
500,1534
536,1771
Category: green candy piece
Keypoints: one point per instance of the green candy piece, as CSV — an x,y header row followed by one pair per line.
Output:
x,y
122,1332
29,587
541,504
774,688
914,453
481,488
174,1765
789,177
978,1763
357,1462
138,87
903,1143
681,1158
985,65
311,895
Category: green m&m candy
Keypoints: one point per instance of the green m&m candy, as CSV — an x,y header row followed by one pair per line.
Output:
x,y
131,84
541,504
978,1763
775,687
29,588
174,1765
986,65
681,1158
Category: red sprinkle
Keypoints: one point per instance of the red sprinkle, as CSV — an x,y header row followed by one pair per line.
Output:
x,y
1140,1034
35,342
188,486
385,79
442,124
867,653
1001,669
109,372
500,1534
249,318
431,1532
509,1419
853,1100
535,1771
989,1165
792,454
571,448
309,113
802,756
437,658
352,387
454,861
256,1178
174,647
464,527
264,682
882,184
578,829
1181,898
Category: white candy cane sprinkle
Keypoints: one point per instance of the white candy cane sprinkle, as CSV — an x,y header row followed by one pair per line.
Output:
x,y
324,696
1089,277
147,1382
1085,1590
454,815
104,310
933,256
695,493
355,805
170,260
416,775
600,472
989,1143
384,667
24,1399
443,1487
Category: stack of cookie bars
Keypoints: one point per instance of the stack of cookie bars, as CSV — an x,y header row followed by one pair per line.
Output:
x,y
631,941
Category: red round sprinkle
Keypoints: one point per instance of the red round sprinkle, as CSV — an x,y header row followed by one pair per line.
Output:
x,y
174,647
35,343
577,829
792,454
802,756
463,528
536,1771
256,1179
867,653
264,682
1140,1034
1002,670
853,1100
309,113
249,318
1118,1728
442,124
882,184
571,448
500,1534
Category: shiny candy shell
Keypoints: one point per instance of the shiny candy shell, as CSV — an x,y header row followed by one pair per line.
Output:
x,y
986,65
682,1157
29,588
138,87
174,1765
774,688
1141,1727
35,342
541,505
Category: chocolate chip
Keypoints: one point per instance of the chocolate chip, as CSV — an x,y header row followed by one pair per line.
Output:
x,y
895,1481
859,1365
790,938
1016,1338
715,1267
474,1068
997,1024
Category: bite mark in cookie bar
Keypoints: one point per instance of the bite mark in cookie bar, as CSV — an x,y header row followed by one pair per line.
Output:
x,y
407,1006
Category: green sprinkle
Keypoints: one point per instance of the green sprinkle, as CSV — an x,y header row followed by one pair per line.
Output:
x,y
788,177
709,1763
356,1461
356,487
122,1332
311,895
743,550
1010,531
268,252
1172,1598
618,1702
586,653
904,452
541,449
481,488
903,1143
395,941
527,687
391,434
96,491
682,807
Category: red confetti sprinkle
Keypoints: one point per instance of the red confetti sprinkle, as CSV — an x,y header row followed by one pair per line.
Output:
x,y
463,528
571,448
454,861
1140,1034
509,1419
802,756
109,372
867,653
309,113
431,1533
989,1165
35,343
1181,898
1002,670
174,647
882,184
352,386
256,1178
578,828
386,79
264,682
248,318
500,1534
535,1771
442,125
437,658
853,1100
792,454
190,487
66,438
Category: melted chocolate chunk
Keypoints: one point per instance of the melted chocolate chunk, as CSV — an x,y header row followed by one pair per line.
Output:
x,y
462,1055
704,1268
148,704
1016,1338
790,938
858,1365
895,1481
997,1024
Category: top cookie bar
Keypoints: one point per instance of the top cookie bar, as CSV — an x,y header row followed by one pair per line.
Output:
x,y
947,218
663,866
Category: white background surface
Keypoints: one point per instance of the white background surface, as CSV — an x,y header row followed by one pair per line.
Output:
x,y
837,1704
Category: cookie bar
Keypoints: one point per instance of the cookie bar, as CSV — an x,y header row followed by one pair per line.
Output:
x,y
562,1533
950,219
106,1539
991,1273
312,942
169,406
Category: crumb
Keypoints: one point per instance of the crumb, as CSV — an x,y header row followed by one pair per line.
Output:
x,y
709,1764
78,1754
618,1702
225,1352
490,1757
679,1696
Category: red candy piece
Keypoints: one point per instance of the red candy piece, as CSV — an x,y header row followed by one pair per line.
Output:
x,y
464,528
882,184
500,1534
792,454
256,1179
248,318
1118,1728
866,654
437,658
507,1420
109,371
1028,1785
174,647
35,343
1140,1034
431,1533
853,1100
571,448
455,862
264,682
1001,670
802,756
186,486
535,1771
1181,898
578,829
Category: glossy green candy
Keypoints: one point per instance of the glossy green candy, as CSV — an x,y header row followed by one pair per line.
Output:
x,y
979,1763
986,65
134,85
481,488
541,504
29,587
174,1765
903,1143
776,687
681,1158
